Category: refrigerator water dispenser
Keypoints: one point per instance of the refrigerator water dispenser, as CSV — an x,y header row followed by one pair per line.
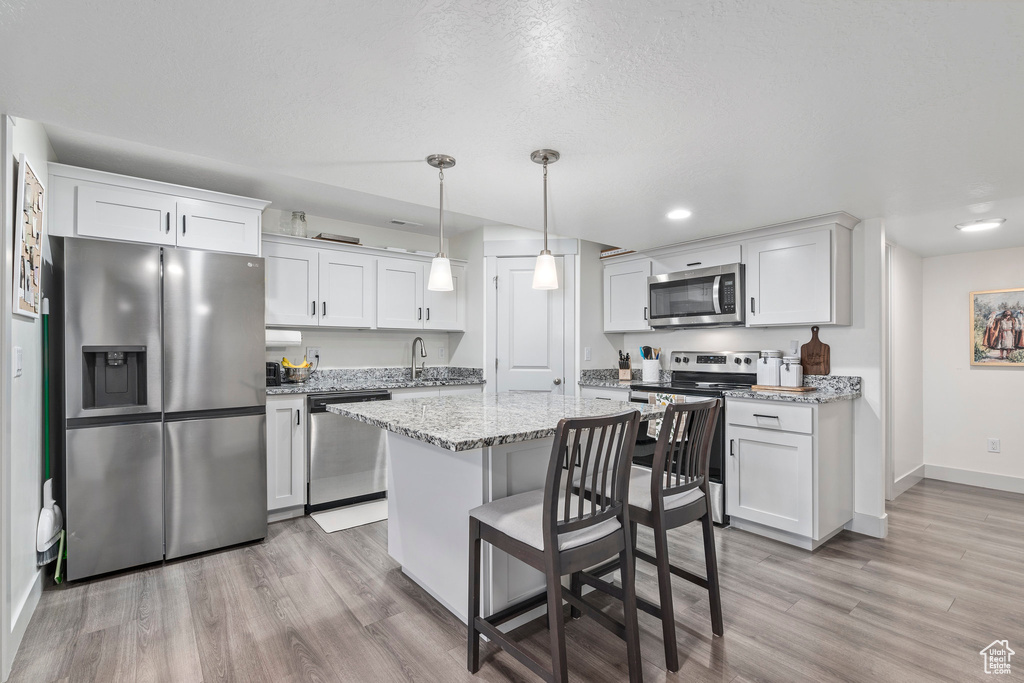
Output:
x,y
113,376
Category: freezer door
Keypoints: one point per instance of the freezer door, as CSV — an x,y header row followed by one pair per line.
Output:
x,y
347,458
216,483
214,333
114,498
111,299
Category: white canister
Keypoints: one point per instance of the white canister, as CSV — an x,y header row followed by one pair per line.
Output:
x,y
651,370
768,366
792,373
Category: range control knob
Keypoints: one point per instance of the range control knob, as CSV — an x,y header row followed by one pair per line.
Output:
x,y
686,359
746,361
737,361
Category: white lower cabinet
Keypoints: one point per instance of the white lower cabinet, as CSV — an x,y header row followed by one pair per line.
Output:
x,y
789,469
286,451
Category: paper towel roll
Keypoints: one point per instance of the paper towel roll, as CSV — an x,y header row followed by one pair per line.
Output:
x,y
282,338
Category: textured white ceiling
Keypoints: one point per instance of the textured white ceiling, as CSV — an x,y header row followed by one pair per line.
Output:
x,y
748,113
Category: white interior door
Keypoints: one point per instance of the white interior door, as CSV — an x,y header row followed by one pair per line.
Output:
x,y
530,329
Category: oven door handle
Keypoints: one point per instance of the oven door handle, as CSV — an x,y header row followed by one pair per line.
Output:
x,y
714,294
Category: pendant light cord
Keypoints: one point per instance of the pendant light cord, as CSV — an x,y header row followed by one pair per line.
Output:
x,y
545,203
440,220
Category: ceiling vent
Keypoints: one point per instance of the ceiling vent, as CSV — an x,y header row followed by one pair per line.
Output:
x,y
399,221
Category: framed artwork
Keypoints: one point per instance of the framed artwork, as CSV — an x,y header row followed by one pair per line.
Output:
x,y
28,241
997,327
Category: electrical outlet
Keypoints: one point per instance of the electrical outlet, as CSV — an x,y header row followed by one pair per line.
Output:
x,y
440,352
312,353
993,446
586,353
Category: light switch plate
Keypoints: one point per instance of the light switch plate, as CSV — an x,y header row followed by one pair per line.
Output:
x,y
18,361
440,352
586,353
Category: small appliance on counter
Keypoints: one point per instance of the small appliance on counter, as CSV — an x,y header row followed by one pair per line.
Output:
x,y
273,374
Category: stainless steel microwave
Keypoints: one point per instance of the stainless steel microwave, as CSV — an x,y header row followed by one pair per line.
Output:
x,y
705,297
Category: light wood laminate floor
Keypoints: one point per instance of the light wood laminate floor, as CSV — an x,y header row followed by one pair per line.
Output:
x,y
307,606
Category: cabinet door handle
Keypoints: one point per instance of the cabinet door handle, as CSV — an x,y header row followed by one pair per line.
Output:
x,y
168,228
298,417
732,447
751,304
183,225
645,313
428,312
314,308
324,304
695,263
419,314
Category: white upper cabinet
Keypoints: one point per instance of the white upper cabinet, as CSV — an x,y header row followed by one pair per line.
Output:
x,y
400,286
292,284
88,203
218,227
446,310
128,215
348,284
789,278
625,296
698,258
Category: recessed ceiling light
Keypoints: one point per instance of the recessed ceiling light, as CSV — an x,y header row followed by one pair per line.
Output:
x,y
679,214
980,224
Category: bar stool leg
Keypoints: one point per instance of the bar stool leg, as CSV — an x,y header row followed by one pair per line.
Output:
x,y
627,567
711,562
576,587
668,614
556,623
473,641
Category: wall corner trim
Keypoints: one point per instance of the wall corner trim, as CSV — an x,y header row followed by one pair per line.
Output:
x,y
988,480
869,525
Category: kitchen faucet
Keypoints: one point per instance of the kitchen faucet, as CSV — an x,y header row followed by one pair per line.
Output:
x,y
417,371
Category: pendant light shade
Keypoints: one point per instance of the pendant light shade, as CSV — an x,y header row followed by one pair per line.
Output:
x,y
440,279
545,273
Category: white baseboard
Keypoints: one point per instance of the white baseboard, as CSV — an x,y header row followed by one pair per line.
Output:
x,y
286,513
20,625
907,480
999,482
869,525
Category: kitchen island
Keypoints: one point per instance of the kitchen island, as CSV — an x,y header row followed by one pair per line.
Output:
x,y
448,455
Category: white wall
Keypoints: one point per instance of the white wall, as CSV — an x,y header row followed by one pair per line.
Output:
x,y
467,348
856,349
367,348
963,404
603,347
22,486
907,318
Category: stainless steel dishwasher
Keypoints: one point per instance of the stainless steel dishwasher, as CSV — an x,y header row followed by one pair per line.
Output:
x,y
347,458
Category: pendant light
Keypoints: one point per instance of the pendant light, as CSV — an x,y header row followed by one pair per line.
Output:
x,y
545,275
440,279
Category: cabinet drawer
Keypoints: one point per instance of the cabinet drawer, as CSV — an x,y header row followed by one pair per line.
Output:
x,y
605,393
771,415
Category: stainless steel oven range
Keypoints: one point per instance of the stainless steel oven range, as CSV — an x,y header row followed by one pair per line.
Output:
x,y
697,375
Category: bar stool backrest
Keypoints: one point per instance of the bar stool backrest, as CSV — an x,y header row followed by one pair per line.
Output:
x,y
684,447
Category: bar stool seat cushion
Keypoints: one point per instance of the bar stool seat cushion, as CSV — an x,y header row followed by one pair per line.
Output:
x,y
522,517
640,491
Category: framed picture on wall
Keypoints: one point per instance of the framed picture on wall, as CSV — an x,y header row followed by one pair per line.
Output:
x,y
28,241
997,327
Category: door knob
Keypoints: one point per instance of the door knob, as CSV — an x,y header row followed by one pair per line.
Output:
x,y
558,380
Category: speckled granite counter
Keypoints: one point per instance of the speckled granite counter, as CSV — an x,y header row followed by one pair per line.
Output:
x,y
462,423
605,383
609,378
361,379
831,388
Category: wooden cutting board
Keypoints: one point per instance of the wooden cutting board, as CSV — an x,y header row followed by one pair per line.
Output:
x,y
815,356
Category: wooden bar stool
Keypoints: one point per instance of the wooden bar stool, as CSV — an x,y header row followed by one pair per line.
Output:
x,y
673,493
560,533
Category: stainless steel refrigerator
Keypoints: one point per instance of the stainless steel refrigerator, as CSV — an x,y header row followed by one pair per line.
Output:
x,y
163,385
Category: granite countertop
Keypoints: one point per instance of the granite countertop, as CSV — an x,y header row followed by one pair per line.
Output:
x,y
462,423
605,383
308,387
831,388
362,379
